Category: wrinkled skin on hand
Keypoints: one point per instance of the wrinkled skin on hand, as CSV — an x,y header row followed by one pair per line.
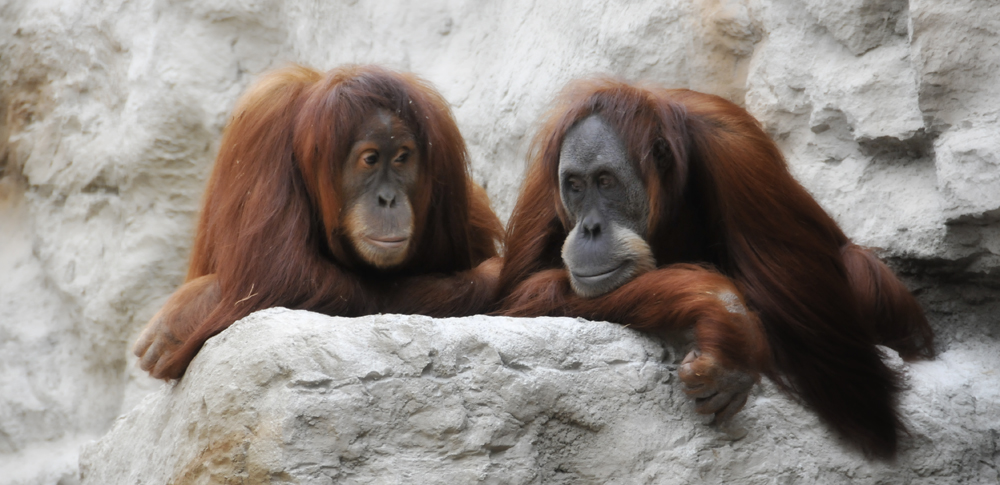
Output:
x,y
715,389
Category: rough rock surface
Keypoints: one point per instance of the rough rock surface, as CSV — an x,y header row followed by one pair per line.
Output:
x,y
110,112
296,397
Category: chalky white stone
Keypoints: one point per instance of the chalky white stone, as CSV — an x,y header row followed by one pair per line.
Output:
x,y
296,397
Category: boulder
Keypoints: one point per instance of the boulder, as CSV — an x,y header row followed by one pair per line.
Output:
x,y
296,397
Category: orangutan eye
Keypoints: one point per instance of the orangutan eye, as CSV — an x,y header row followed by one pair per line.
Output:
x,y
403,157
605,181
575,184
371,158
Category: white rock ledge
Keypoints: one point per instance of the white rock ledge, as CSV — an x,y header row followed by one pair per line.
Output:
x,y
296,397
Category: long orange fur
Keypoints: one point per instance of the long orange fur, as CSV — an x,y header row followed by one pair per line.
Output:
x,y
721,195
271,233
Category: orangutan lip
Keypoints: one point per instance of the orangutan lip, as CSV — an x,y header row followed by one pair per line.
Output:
x,y
599,276
388,242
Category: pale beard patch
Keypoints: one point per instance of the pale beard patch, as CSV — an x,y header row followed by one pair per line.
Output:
x,y
641,253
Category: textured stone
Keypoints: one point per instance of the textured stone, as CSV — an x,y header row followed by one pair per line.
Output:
x,y
893,133
296,397
861,25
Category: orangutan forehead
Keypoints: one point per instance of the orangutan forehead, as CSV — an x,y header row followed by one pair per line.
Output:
x,y
384,123
593,141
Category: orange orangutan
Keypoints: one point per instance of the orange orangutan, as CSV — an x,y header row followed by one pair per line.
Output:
x,y
628,183
346,193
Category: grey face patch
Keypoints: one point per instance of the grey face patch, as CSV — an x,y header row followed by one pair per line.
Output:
x,y
607,204
592,149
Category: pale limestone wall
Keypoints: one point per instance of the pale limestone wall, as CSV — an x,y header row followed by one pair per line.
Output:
x,y
111,111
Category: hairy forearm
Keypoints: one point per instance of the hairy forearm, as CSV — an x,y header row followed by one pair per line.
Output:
x,y
671,299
